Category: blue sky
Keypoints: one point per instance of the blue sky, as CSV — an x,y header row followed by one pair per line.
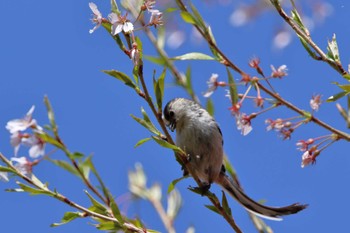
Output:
x,y
46,49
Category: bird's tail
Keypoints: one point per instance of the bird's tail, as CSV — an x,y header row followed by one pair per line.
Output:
x,y
272,213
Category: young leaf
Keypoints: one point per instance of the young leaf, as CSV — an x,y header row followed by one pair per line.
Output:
x,y
139,143
50,140
121,76
161,37
213,50
156,60
114,7
6,169
159,89
174,182
96,206
65,165
50,113
109,226
307,48
33,191
233,87
187,17
107,26
193,56
38,182
345,87
337,96
85,167
146,122
105,190
225,204
198,17
213,208
67,217
166,144
333,52
210,107
346,76
116,212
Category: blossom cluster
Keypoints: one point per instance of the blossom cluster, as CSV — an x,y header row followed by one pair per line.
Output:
x,y
121,22
20,135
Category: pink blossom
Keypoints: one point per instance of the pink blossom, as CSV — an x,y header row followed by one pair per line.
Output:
x,y
97,19
315,102
18,125
212,85
308,158
279,72
23,165
244,123
156,18
37,146
304,145
120,23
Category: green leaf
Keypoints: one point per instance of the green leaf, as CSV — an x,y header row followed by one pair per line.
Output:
x,y
296,17
6,169
187,17
210,107
67,217
114,7
193,56
107,26
166,144
307,48
85,167
213,50
332,48
33,191
345,87
171,9
109,226
156,60
174,182
198,17
159,89
96,206
225,205
122,77
38,182
346,76
146,122
77,155
65,165
50,140
233,87
116,212
337,96
161,37
105,190
213,208
50,113
139,143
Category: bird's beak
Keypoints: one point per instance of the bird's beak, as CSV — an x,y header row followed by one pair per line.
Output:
x,y
170,124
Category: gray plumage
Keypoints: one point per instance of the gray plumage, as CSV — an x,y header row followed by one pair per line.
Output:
x,y
198,134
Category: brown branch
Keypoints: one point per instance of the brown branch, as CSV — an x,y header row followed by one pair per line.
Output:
x,y
322,56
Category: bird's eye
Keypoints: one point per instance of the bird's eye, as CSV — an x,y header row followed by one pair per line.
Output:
x,y
171,114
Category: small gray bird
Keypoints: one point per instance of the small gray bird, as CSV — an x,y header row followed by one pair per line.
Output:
x,y
198,134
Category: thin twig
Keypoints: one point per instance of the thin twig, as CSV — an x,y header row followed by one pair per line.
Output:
x,y
336,65
64,199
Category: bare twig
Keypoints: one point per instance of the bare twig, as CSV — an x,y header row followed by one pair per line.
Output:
x,y
64,199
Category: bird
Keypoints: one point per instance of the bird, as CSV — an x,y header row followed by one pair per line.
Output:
x,y
199,135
